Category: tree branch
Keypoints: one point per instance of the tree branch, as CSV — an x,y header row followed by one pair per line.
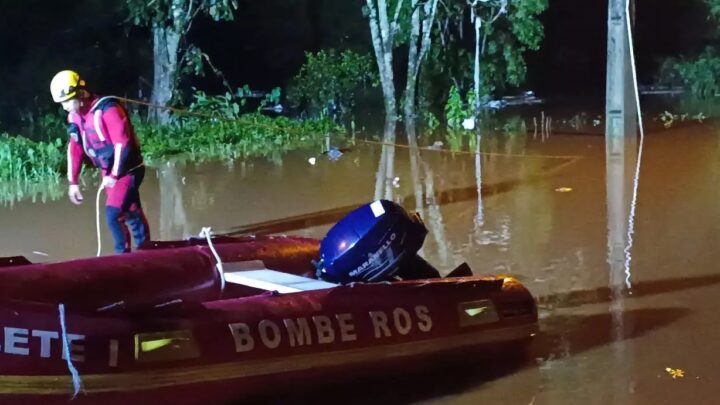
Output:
x,y
394,26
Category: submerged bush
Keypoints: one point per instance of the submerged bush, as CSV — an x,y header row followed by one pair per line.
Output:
x,y
250,135
29,168
700,75
330,77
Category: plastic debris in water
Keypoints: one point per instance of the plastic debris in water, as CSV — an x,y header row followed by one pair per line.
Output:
x,y
396,182
437,145
564,189
334,154
312,161
675,372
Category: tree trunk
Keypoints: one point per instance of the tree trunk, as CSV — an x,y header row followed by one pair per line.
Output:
x,y
382,39
417,49
165,56
413,63
477,22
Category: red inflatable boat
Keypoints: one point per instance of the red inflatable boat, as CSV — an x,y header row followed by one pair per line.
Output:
x,y
162,325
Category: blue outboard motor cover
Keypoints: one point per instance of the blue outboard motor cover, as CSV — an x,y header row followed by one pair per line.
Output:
x,y
370,243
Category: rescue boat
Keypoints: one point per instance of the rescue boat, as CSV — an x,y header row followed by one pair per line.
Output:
x,y
218,320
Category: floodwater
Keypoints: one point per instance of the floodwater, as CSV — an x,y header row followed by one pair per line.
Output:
x,y
620,324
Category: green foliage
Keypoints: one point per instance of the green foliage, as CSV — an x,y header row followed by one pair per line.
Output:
x,y
506,41
249,135
700,75
329,75
220,127
178,14
714,8
431,122
29,168
226,107
271,99
457,109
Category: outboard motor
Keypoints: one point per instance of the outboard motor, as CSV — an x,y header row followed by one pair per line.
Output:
x,y
376,242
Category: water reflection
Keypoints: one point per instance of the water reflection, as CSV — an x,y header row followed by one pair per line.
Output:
x,y
386,167
173,219
433,217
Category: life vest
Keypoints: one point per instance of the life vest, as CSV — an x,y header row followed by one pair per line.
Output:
x,y
97,145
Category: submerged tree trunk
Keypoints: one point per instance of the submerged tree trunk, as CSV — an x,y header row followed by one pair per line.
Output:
x,y
165,56
386,166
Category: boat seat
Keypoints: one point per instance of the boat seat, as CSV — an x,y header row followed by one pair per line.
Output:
x,y
255,274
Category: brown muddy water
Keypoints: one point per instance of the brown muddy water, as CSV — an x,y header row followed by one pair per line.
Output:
x,y
545,213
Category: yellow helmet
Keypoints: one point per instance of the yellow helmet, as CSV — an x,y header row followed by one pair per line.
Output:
x,y
65,85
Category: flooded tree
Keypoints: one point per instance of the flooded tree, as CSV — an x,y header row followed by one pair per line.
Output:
x,y
388,21
501,32
170,22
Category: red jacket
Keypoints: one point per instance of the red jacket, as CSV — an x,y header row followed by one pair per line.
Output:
x,y
106,137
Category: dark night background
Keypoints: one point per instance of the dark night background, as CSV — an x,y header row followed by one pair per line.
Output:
x,y
264,47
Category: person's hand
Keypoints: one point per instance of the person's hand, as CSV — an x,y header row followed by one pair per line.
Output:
x,y
75,195
108,182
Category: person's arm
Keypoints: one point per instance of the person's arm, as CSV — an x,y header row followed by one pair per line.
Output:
x,y
74,162
74,154
115,125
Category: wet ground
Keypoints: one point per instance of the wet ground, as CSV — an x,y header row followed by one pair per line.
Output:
x,y
545,213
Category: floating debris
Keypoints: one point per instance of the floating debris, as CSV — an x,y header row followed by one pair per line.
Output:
x,y
312,161
336,153
396,182
675,372
39,253
437,145
564,189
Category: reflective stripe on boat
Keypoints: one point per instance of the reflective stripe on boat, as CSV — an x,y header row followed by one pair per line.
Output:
x,y
167,377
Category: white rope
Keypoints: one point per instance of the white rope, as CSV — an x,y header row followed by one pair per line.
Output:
x,y
636,179
76,380
97,219
206,232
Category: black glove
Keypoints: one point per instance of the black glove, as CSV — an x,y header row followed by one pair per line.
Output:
x,y
73,131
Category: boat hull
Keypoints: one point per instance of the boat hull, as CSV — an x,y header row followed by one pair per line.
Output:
x,y
233,348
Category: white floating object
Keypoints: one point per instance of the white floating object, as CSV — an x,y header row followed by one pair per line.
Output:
x,y
312,161
469,123
396,182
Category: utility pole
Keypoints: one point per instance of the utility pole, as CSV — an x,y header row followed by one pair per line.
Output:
x,y
620,136
621,158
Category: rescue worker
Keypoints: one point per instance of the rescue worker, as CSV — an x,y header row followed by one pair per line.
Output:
x,y
100,129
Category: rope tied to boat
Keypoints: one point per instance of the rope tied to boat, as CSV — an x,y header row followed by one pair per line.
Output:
x,y
206,233
76,380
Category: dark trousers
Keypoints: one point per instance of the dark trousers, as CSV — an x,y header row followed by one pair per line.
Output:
x,y
123,210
